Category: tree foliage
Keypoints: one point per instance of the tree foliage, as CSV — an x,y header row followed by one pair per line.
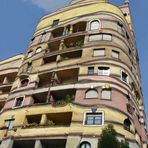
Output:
x,y
108,139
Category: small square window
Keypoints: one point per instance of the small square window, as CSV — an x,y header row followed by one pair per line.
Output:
x,y
90,70
94,119
115,54
99,52
19,102
104,71
55,22
106,94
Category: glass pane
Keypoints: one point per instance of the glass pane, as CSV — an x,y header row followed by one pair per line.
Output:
x,y
95,25
106,94
99,52
115,54
107,37
96,37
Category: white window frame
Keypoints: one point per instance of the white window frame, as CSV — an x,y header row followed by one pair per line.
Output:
x,y
38,49
85,116
104,72
90,25
16,100
92,90
29,54
104,89
117,53
101,49
22,80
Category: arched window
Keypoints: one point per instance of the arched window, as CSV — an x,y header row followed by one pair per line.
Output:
x,y
94,25
127,124
24,82
38,50
91,93
85,144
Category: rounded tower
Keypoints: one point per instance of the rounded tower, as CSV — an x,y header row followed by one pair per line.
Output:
x,y
80,73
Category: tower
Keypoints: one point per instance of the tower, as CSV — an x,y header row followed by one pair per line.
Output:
x,y
79,74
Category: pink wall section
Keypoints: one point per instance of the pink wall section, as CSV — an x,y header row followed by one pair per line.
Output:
x,y
118,100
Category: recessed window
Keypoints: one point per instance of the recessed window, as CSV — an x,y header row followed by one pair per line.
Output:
x,y
43,37
30,54
124,77
91,94
55,22
99,37
95,25
90,70
106,94
24,82
115,54
18,102
99,52
127,124
38,50
120,27
85,144
94,118
103,71
9,123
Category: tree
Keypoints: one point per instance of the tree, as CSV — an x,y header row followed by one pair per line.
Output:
x,y
108,139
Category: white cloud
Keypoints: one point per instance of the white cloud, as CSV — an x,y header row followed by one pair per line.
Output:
x,y
48,5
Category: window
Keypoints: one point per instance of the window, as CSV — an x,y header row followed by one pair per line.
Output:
x,y
95,25
38,50
127,124
55,22
91,93
90,70
43,37
115,54
120,27
124,77
106,94
107,37
24,82
30,54
99,52
94,118
9,122
99,37
85,144
95,37
18,102
103,71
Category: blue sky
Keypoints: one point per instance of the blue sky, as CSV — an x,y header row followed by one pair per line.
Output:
x,y
18,19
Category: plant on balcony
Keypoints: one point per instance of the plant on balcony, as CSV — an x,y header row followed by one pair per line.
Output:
x,y
130,108
50,123
69,98
29,125
79,43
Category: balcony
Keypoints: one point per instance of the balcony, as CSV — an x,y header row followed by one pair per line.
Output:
x,y
24,144
52,143
62,97
45,80
48,120
44,143
68,76
69,30
40,98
